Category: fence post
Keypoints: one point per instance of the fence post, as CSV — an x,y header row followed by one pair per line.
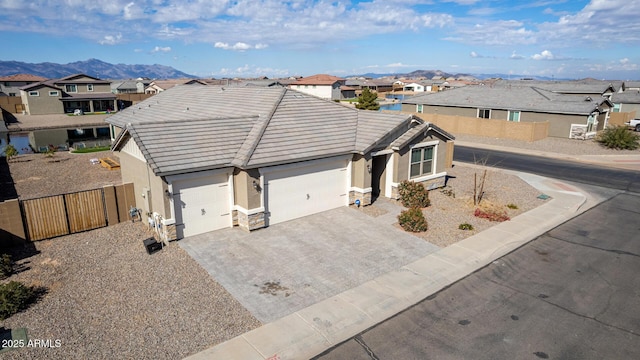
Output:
x,y
111,204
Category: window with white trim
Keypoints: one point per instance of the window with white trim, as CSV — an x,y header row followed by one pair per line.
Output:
x,y
89,87
419,108
484,113
616,107
591,123
421,161
34,93
514,116
54,93
71,88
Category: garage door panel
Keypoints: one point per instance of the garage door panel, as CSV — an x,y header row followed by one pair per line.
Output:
x,y
201,204
305,190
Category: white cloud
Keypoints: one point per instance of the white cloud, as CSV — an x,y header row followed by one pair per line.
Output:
x,y
111,39
251,71
544,55
161,49
516,56
239,46
474,54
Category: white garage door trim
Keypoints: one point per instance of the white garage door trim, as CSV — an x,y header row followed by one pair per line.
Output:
x,y
207,200
295,190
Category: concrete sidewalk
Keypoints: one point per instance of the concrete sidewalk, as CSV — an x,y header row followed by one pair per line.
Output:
x,y
312,330
627,161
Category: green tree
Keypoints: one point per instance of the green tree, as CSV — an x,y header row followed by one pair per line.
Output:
x,y
10,151
368,100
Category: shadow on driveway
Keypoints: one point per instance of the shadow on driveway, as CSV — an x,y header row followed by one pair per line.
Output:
x,y
278,270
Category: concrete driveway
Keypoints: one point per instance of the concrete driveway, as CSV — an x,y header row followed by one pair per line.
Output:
x,y
278,270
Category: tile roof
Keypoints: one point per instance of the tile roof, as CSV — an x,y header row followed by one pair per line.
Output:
x,y
22,77
522,98
320,79
627,97
190,128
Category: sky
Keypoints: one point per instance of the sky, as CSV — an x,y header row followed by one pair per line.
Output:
x,y
251,38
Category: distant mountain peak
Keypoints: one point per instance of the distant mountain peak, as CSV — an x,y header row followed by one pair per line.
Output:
x,y
92,67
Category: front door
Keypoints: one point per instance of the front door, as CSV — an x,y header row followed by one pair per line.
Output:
x,y
378,175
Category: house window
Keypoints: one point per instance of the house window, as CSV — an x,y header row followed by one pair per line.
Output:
x,y
54,93
421,161
616,107
12,94
71,88
89,87
514,116
34,93
419,108
484,113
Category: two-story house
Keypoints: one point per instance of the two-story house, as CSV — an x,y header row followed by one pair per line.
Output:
x,y
77,93
324,86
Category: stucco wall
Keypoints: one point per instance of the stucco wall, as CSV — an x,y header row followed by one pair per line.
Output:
x,y
42,104
360,176
136,171
246,196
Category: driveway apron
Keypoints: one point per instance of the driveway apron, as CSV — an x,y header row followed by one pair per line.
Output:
x,y
278,270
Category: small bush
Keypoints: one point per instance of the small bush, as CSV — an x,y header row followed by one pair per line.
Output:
x,y
413,194
413,220
6,266
14,297
465,226
10,151
491,215
448,191
619,137
512,206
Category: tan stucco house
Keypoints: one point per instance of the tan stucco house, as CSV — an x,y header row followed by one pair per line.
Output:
x,y
69,94
324,86
206,158
568,115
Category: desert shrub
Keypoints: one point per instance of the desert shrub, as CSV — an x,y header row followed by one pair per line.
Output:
x,y
512,206
10,151
413,194
14,297
413,220
448,191
491,214
619,137
6,266
465,226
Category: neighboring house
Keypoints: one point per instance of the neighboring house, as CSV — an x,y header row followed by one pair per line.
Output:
x,y
379,86
587,87
158,86
203,159
70,94
414,86
324,86
135,86
627,101
10,85
565,113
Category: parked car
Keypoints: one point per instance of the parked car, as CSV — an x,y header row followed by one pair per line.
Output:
x,y
634,124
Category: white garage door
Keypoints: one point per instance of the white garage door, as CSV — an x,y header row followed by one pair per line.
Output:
x,y
201,204
293,192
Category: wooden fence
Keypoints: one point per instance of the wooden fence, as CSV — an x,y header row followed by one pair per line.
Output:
x,y
619,118
70,213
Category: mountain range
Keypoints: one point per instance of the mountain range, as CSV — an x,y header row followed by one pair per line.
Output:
x,y
91,67
107,71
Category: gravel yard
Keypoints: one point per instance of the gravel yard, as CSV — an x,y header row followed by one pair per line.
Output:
x,y
106,298
36,175
453,205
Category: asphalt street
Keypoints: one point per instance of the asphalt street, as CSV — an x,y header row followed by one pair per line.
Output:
x,y
627,180
572,293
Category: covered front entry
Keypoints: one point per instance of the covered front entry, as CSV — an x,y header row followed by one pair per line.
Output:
x,y
306,188
201,204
